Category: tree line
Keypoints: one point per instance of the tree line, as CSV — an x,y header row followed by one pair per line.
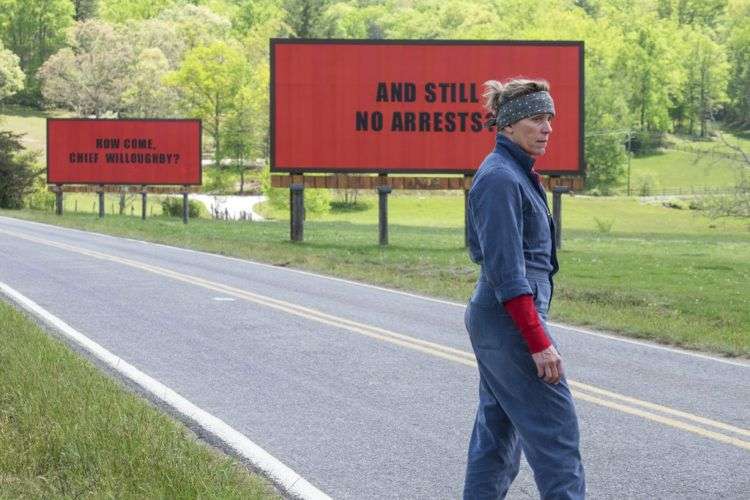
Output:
x,y
651,66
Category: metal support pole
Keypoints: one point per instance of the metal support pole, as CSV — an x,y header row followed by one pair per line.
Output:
x,y
59,199
466,211
101,202
383,192
557,212
297,207
144,194
185,206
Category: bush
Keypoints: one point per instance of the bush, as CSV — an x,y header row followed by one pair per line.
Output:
x,y
218,180
40,198
674,203
645,142
317,201
604,226
645,186
172,206
18,171
696,204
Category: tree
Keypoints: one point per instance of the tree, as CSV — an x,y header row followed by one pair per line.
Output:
x,y
11,76
197,25
17,171
706,80
34,29
247,124
305,17
90,76
156,34
146,95
738,52
119,11
207,82
85,9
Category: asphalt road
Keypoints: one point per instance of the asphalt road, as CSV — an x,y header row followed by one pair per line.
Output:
x,y
371,393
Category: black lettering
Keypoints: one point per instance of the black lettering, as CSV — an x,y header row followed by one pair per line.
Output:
x,y
438,125
473,87
424,122
137,143
397,124
443,91
107,143
361,121
463,115
476,121
382,93
450,121
410,92
396,92
410,121
429,92
462,97
376,122
83,157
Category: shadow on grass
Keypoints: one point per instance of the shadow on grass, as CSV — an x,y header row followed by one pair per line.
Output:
x,y
27,112
652,153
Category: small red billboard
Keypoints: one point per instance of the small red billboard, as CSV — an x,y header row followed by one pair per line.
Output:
x,y
147,152
411,106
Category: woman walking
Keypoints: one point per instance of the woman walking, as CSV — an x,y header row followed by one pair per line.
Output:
x,y
524,400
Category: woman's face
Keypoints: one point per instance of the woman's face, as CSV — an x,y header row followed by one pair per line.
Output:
x,y
531,133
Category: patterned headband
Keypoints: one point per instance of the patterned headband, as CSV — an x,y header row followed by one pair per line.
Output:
x,y
523,107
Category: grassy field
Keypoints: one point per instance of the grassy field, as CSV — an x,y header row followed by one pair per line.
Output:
x,y
642,270
682,170
68,431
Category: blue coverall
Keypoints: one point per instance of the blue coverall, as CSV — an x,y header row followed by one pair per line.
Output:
x,y
510,236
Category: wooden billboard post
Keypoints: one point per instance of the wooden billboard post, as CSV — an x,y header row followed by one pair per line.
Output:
x,y
58,199
144,194
557,192
100,192
297,207
383,190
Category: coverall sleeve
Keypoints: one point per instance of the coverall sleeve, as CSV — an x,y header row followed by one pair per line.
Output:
x,y
496,206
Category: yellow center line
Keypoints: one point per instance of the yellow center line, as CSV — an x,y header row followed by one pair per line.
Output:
x,y
424,346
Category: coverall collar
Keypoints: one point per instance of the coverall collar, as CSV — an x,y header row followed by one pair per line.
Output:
x,y
525,160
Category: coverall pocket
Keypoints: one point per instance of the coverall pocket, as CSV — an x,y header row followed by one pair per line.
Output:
x,y
484,296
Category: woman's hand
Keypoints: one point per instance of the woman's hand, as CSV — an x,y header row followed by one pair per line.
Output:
x,y
549,365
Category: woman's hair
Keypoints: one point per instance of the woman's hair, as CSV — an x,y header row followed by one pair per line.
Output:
x,y
497,93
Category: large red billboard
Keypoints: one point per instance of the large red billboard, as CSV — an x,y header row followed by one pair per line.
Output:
x,y
411,106
84,151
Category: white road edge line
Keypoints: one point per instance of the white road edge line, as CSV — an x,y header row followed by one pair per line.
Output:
x,y
390,290
283,476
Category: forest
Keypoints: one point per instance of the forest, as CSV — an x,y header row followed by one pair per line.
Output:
x,y
652,67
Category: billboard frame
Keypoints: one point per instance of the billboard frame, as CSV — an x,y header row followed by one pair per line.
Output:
x,y
200,151
379,170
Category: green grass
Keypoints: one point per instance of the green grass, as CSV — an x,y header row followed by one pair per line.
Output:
x,y
683,170
68,431
31,122
665,274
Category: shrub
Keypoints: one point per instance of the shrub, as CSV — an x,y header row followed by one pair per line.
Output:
x,y
604,226
40,198
674,203
172,206
18,170
317,201
645,186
